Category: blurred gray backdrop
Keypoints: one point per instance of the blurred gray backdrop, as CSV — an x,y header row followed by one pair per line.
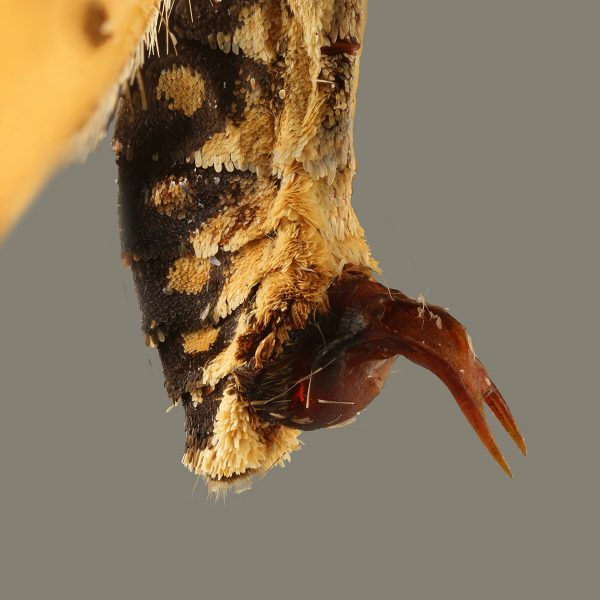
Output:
x,y
477,140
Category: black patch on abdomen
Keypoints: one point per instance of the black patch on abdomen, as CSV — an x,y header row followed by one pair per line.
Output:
x,y
149,234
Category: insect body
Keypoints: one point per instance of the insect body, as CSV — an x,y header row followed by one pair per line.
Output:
x,y
235,156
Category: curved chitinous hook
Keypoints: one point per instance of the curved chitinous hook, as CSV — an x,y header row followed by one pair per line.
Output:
x,y
335,366
432,338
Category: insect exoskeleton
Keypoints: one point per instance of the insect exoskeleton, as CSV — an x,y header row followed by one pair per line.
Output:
x,y
236,161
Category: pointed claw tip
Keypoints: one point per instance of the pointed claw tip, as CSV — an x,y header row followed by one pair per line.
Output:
x,y
519,442
504,465
517,438
522,447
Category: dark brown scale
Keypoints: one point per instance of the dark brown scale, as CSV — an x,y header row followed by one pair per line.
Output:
x,y
197,20
154,144
200,417
168,134
170,310
203,19
147,233
182,370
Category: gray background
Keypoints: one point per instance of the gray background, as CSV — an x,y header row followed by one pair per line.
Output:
x,y
477,141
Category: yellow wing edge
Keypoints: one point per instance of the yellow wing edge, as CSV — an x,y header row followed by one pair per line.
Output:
x,y
63,62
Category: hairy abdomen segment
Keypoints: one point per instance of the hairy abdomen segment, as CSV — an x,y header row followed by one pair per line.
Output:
x,y
236,162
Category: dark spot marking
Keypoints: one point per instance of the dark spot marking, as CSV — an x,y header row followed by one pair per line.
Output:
x,y
96,23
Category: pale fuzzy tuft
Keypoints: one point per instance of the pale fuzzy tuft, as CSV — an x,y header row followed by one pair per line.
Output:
x,y
282,442
237,444
241,446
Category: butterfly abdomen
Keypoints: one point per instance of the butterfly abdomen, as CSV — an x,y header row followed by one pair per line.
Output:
x,y
235,169
236,161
